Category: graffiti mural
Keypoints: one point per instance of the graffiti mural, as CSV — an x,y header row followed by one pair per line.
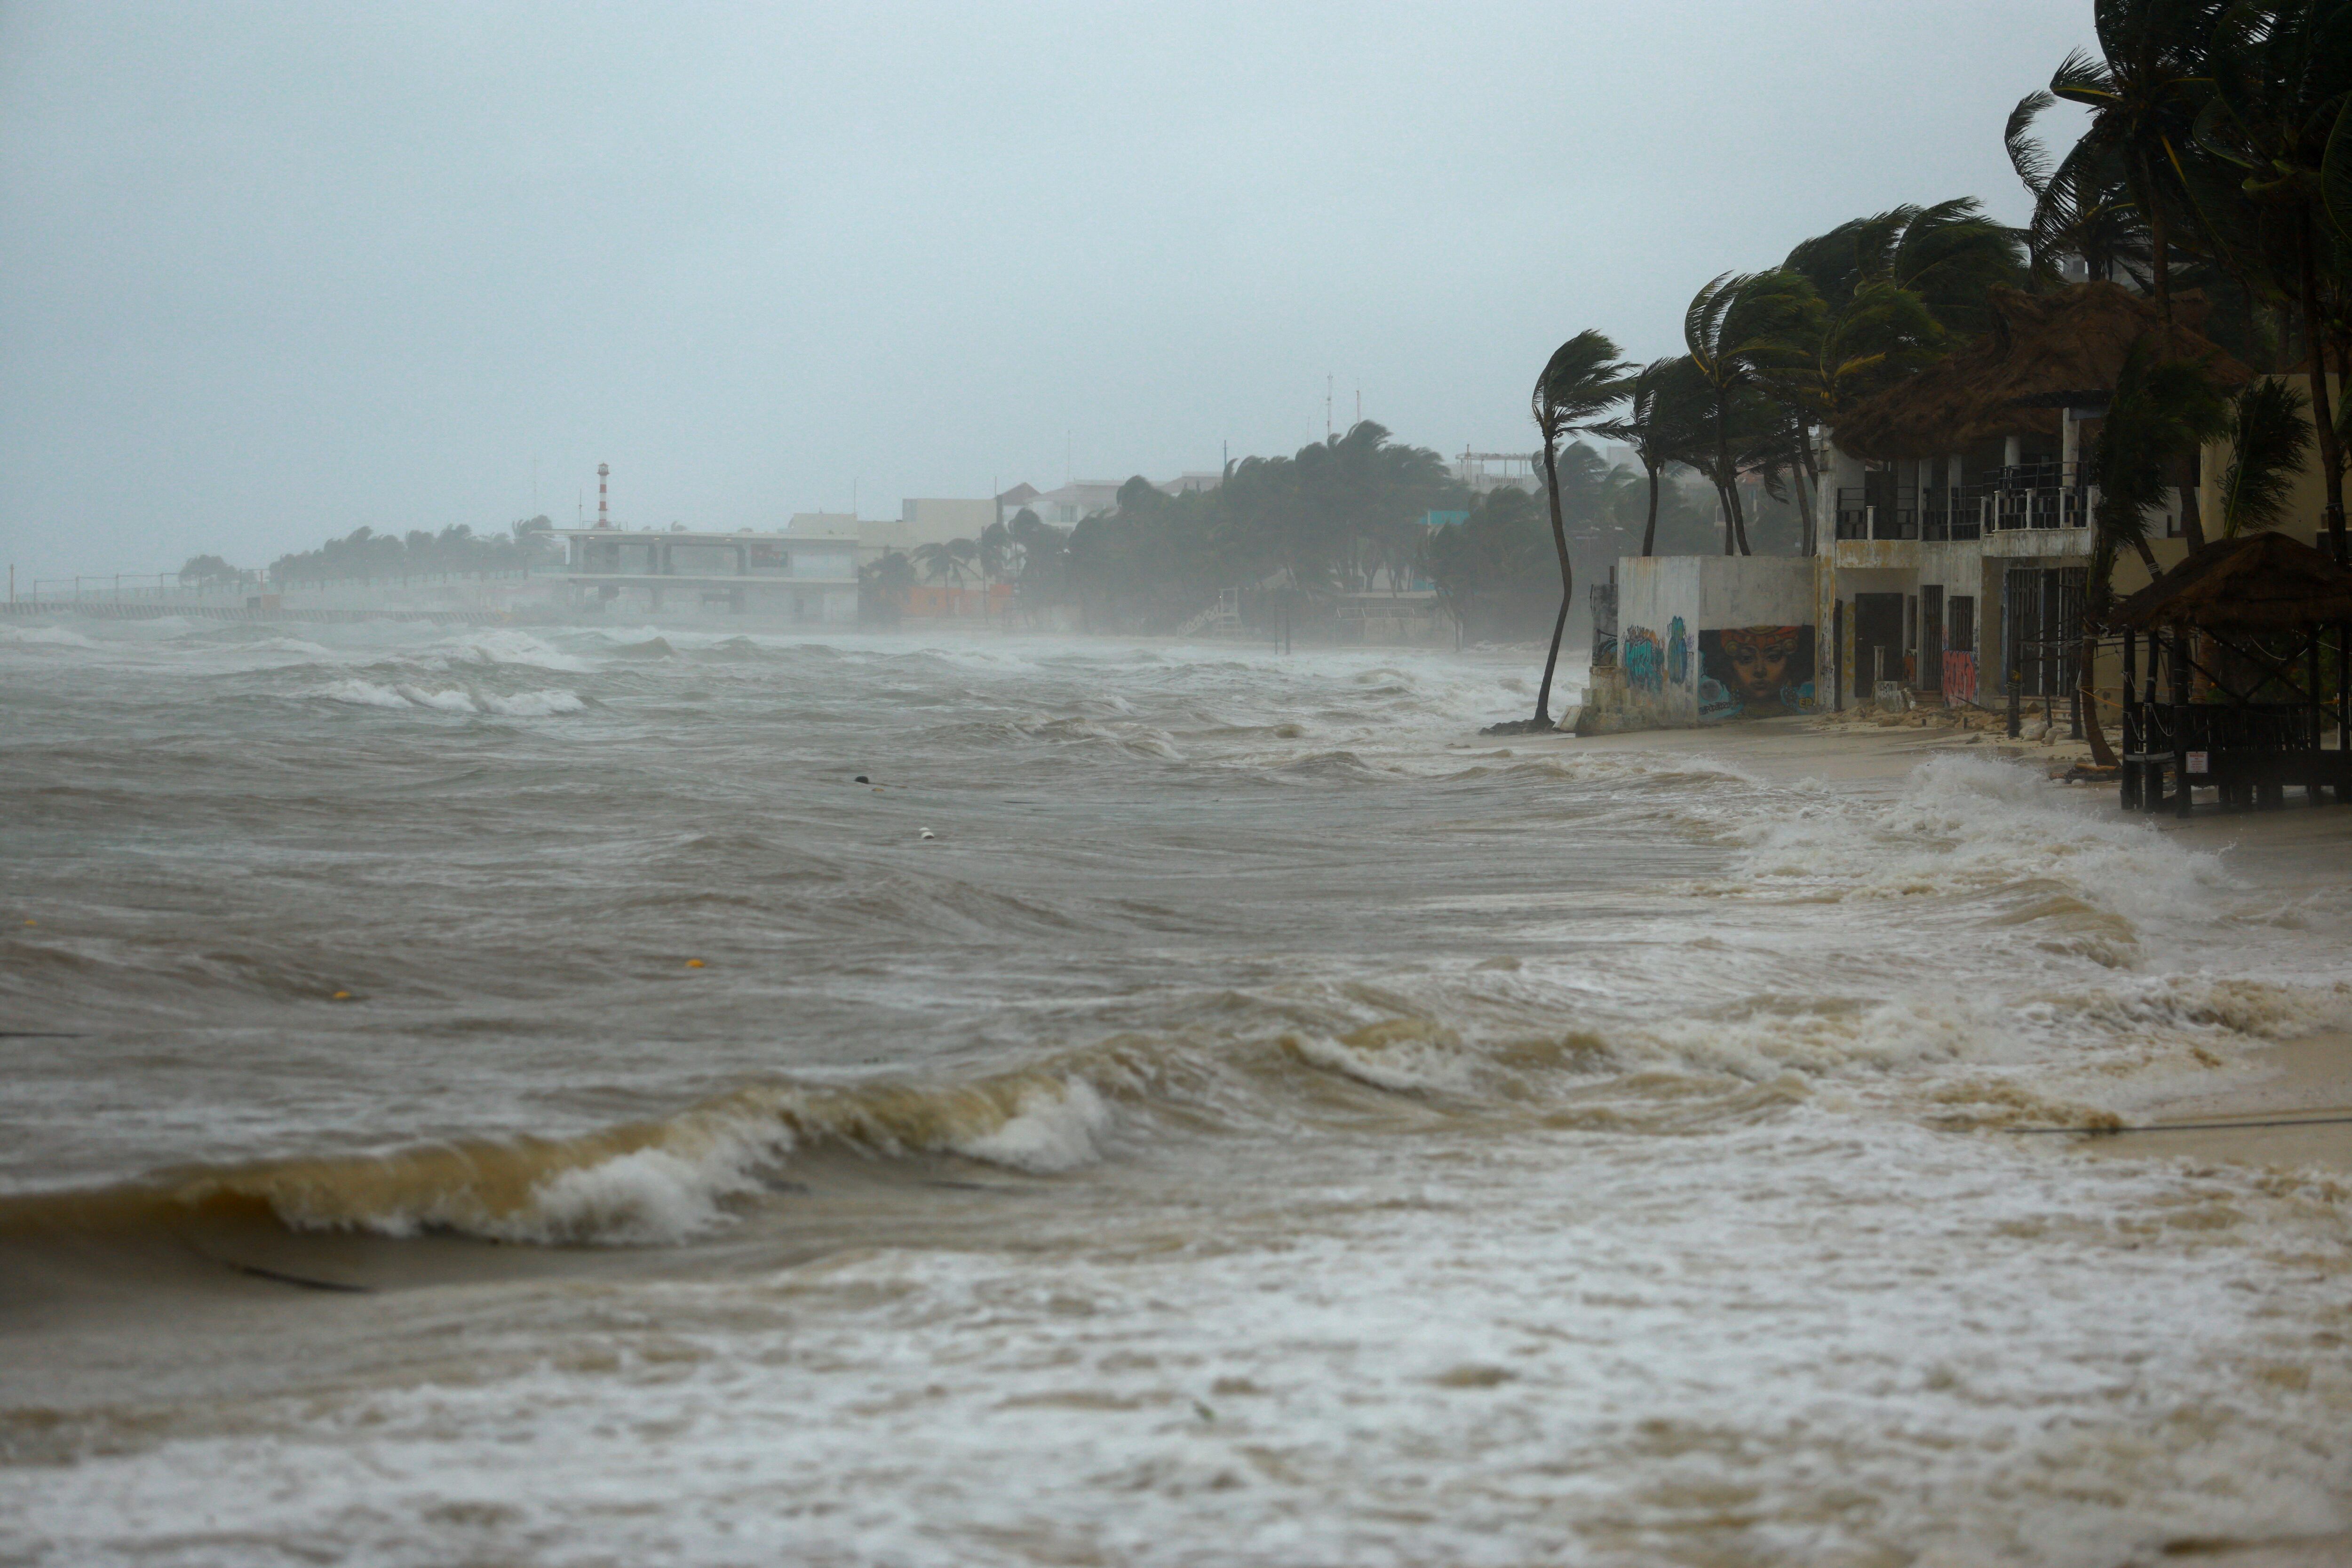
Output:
x,y
1755,672
1959,678
1644,659
1678,652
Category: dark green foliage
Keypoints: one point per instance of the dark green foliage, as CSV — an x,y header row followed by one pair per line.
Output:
x,y
1494,570
2270,435
456,551
2163,411
1338,516
207,570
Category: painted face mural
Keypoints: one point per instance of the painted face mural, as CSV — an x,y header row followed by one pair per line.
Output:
x,y
1644,659
1756,672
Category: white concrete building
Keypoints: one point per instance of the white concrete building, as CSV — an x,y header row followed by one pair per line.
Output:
x,y
806,580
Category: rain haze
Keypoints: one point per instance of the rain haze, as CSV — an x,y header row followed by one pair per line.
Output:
x,y
1438,787
274,273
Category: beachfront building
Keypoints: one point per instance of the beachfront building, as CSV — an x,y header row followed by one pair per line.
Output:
x,y
809,581
1955,530
1957,505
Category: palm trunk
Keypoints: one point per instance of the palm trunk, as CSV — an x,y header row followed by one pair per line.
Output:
x,y
2098,592
1806,476
1567,582
1727,481
1650,530
2322,417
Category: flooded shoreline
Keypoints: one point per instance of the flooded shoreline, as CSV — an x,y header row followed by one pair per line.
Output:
x,y
1259,1110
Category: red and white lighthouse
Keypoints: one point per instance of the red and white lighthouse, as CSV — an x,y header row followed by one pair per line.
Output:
x,y
604,518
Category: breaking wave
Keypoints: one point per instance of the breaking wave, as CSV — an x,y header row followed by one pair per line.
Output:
x,y
406,695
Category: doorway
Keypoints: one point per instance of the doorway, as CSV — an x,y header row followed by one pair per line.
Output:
x,y
1878,641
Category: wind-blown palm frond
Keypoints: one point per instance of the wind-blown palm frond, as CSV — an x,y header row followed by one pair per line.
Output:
x,y
1667,405
2163,410
1580,380
2270,435
2027,156
1583,378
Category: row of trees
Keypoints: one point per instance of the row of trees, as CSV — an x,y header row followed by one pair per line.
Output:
x,y
1337,516
2217,150
364,554
1348,515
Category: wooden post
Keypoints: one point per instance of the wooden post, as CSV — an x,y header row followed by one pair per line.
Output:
x,y
2344,706
2130,769
2184,797
2151,774
2317,792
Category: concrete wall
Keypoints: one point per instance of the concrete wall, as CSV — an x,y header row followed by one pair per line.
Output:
x,y
934,521
1705,639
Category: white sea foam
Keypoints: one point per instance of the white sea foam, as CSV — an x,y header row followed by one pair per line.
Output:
x,y
535,704
653,1196
441,701
44,637
540,704
508,645
364,694
1056,1129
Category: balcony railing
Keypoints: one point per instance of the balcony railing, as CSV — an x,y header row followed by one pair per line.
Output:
x,y
1876,514
2022,496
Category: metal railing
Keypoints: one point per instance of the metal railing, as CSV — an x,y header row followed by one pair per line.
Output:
x,y
133,587
1872,512
2022,496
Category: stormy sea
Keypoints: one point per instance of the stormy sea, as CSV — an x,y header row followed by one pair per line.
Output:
x,y
641,1094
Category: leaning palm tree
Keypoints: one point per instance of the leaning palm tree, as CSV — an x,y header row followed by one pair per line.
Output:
x,y
1737,328
2270,435
1583,378
1665,406
2085,211
2142,90
2162,412
2277,117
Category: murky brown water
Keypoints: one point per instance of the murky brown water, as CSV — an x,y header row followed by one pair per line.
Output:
x,y
1189,1106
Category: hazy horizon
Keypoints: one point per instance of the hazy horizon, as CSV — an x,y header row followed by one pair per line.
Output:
x,y
272,274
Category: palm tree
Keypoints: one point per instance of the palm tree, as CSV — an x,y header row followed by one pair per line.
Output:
x,y
1948,256
2163,411
2142,90
1582,378
2270,435
1666,403
2277,115
1738,327
942,563
2088,212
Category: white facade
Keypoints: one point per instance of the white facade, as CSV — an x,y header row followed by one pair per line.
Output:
x,y
807,581
1703,639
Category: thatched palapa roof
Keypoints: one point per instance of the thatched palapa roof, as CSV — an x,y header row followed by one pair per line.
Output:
x,y
2256,582
2045,353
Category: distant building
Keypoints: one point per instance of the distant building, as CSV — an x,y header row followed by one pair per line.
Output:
x,y
1081,498
808,580
1075,501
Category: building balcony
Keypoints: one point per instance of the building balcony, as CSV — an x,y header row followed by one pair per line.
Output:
x,y
2025,497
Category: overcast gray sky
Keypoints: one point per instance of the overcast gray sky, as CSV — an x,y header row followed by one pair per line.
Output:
x,y
271,273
